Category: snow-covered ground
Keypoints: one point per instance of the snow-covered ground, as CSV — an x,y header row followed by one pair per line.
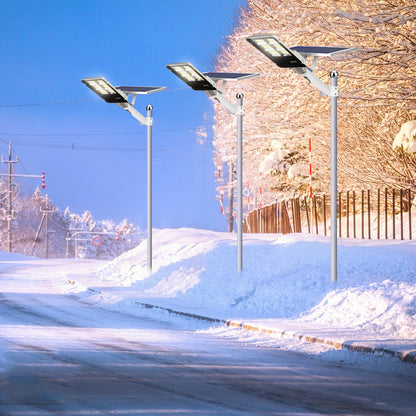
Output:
x,y
285,286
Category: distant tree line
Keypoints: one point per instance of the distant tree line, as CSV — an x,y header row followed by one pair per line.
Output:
x,y
27,224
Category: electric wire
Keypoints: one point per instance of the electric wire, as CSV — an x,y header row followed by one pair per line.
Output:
x,y
52,103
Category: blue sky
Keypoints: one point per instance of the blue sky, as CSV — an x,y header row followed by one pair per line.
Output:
x,y
94,153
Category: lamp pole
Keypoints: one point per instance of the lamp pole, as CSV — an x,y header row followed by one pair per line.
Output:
x,y
334,151
240,97
209,83
295,59
149,110
120,96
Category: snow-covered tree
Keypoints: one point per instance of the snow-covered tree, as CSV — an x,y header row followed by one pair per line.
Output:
x,y
282,111
120,238
29,229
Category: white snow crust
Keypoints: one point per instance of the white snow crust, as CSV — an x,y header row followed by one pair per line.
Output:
x,y
285,285
284,277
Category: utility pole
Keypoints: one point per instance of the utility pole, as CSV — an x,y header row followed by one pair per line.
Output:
x,y
231,196
10,213
45,216
76,239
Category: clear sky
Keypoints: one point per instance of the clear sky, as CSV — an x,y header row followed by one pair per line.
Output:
x,y
94,153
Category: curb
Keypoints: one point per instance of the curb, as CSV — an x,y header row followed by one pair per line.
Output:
x,y
409,356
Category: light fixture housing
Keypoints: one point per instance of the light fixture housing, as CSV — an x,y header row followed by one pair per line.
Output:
x,y
277,51
191,76
105,90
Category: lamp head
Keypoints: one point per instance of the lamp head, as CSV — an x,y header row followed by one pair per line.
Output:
x,y
277,51
191,76
105,90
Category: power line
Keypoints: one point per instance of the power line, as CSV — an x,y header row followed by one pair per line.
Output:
x,y
93,147
93,134
49,103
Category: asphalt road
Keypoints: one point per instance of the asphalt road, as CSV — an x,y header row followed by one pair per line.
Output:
x,y
60,356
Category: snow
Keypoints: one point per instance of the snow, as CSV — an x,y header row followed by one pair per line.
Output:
x,y
296,171
285,283
285,286
406,138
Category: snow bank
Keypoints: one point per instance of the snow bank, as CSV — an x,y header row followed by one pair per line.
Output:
x,y
283,277
5,257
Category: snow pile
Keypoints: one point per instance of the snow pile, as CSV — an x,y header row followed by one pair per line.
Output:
x,y
6,257
296,171
283,277
282,160
275,160
406,138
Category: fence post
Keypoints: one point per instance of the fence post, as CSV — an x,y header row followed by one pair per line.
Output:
x,y
369,214
340,213
274,217
401,213
296,215
286,227
324,202
354,213
316,214
378,214
292,204
278,213
409,193
307,214
348,214
362,213
385,211
394,214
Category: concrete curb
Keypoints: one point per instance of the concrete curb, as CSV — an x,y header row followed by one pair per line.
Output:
x,y
409,356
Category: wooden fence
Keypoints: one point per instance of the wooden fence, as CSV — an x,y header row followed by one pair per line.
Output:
x,y
368,214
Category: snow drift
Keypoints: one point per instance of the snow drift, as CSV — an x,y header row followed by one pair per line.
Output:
x,y
283,277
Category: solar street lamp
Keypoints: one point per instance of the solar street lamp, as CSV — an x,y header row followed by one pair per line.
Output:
x,y
120,96
209,83
295,59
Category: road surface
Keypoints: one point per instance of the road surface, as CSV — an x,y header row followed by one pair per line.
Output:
x,y
60,356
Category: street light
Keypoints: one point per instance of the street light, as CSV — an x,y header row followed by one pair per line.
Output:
x,y
295,59
120,96
209,83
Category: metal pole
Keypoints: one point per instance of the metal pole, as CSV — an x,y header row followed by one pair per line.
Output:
x,y
149,109
67,244
334,96
46,213
231,197
9,208
240,181
76,239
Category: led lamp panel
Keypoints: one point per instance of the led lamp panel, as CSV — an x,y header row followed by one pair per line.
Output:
x,y
276,51
105,90
140,90
229,76
191,76
321,50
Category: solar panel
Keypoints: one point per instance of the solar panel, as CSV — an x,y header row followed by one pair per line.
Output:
x,y
229,76
139,90
321,50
